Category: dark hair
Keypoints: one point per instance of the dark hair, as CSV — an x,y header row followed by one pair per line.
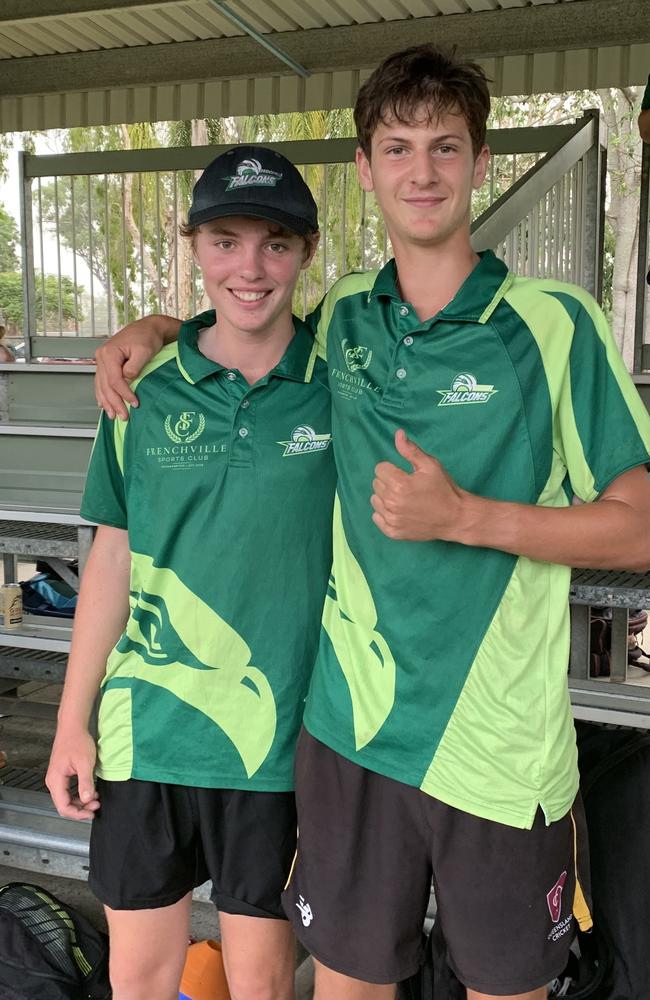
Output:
x,y
423,77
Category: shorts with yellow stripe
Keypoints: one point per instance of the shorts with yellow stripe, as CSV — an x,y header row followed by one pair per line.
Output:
x,y
508,900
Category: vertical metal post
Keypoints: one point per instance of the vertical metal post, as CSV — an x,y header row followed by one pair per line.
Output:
x,y
27,243
642,260
593,209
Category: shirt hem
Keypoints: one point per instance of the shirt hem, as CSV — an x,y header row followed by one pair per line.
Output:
x,y
519,819
103,520
194,781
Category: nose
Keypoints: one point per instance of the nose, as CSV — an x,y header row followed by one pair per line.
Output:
x,y
251,266
423,168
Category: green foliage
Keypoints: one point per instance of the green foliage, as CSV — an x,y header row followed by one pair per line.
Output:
x,y
11,298
9,242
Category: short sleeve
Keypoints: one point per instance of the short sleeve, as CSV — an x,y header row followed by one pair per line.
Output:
x,y
603,423
104,499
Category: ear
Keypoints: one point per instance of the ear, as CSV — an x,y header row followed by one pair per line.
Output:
x,y
480,166
311,246
364,170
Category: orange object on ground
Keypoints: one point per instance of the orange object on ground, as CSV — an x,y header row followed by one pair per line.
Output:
x,y
204,977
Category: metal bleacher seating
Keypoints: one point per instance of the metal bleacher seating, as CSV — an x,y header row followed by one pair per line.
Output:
x,y
47,424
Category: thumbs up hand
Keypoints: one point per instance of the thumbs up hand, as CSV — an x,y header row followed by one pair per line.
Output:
x,y
421,505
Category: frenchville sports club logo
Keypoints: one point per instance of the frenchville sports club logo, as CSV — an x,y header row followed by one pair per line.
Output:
x,y
304,440
251,173
184,428
554,898
464,390
357,358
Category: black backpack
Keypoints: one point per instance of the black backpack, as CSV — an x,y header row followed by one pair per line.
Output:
x,y
48,950
615,784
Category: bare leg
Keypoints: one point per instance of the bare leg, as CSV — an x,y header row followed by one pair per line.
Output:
x,y
259,956
332,985
148,949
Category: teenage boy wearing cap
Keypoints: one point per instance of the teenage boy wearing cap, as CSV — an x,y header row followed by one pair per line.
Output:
x,y
199,611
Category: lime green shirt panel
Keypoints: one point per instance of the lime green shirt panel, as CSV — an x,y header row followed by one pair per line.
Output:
x,y
510,743
218,649
601,427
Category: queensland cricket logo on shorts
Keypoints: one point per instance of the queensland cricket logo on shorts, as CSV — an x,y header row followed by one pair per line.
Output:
x,y
251,173
464,390
304,440
554,898
357,358
185,427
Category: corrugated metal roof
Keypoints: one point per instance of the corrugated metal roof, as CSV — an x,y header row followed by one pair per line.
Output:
x,y
85,62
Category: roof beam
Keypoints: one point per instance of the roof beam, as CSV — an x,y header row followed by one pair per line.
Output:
x,y
582,24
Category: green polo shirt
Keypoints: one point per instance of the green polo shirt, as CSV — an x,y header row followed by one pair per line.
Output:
x,y
442,665
226,491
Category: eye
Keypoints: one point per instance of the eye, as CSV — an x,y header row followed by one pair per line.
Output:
x,y
395,150
224,244
446,149
278,248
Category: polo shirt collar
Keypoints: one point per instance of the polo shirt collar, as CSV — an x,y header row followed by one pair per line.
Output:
x,y
297,363
475,300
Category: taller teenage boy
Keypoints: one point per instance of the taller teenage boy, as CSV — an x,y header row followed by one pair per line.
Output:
x,y
214,504
439,739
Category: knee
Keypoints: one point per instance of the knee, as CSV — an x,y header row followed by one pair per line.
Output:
x,y
262,984
130,981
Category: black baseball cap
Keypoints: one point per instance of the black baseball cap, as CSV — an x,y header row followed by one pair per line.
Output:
x,y
257,182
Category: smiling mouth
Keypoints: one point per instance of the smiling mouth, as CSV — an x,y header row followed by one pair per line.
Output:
x,y
424,202
248,296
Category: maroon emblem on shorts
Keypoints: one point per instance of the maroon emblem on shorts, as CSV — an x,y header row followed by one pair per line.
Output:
x,y
554,898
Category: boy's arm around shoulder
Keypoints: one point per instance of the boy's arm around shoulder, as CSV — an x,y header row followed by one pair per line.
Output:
x,y
121,359
101,614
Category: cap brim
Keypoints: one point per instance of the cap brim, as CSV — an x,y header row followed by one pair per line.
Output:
x,y
292,222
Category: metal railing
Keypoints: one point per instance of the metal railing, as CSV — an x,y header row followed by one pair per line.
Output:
x,y
550,223
101,243
641,347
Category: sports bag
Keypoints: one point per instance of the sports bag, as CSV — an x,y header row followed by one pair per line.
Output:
x,y
48,950
615,783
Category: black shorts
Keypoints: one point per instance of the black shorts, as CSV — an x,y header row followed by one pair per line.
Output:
x,y
368,850
151,843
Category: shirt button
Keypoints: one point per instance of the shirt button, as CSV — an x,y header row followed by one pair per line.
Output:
x,y
401,372
232,376
403,310
243,432
408,340
245,403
